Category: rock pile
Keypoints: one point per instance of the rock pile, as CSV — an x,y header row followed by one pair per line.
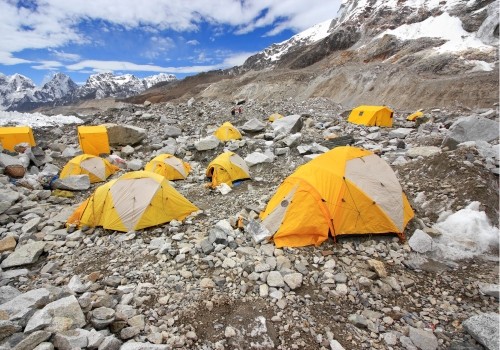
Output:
x,y
205,283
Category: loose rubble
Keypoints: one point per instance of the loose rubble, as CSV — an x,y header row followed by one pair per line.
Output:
x,y
214,281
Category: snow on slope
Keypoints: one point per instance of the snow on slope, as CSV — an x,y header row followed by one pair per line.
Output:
x,y
36,119
306,37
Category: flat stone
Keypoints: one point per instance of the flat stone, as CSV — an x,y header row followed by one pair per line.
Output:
x,y
424,340
129,332
485,329
8,293
32,340
142,346
20,308
24,255
8,328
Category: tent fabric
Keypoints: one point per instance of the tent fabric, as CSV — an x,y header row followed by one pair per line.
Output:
x,y
227,132
97,168
412,117
274,117
93,140
134,201
169,166
346,190
227,168
371,116
11,136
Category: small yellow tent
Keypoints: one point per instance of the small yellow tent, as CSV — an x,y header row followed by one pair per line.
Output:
x,y
96,168
226,168
11,136
93,140
227,132
274,117
172,168
371,115
412,117
346,190
134,201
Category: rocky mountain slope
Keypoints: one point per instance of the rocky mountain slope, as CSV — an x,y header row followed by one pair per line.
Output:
x,y
19,93
406,54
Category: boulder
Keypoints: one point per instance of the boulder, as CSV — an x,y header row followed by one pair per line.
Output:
x,y
73,183
24,255
400,133
121,135
63,314
472,128
485,329
253,125
142,346
210,142
172,131
287,125
257,158
73,339
424,340
420,242
8,293
8,328
32,340
7,244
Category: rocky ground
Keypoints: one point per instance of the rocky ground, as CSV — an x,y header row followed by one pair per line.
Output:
x,y
205,284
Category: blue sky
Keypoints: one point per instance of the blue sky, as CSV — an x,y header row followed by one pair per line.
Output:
x,y
181,37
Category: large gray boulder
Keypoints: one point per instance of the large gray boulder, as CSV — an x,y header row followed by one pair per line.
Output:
x,y
20,308
424,340
60,315
207,143
420,242
24,255
122,135
485,329
287,125
472,128
253,125
73,183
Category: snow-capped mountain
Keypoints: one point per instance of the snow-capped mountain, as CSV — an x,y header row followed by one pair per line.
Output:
x,y
18,92
273,53
447,27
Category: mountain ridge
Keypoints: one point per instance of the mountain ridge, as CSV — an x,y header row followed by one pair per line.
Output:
x,y
18,92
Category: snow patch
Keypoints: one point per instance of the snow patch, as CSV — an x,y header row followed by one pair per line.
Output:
x,y
457,38
466,233
36,119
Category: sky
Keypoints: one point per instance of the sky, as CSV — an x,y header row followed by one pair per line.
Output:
x,y
183,37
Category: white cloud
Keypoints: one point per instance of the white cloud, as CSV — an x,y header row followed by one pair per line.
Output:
x,y
158,46
56,23
47,65
64,56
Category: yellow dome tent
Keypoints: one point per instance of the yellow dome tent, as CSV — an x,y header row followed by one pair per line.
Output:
x,y
274,117
134,201
93,139
412,117
227,132
11,136
344,191
169,166
96,168
226,168
371,115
